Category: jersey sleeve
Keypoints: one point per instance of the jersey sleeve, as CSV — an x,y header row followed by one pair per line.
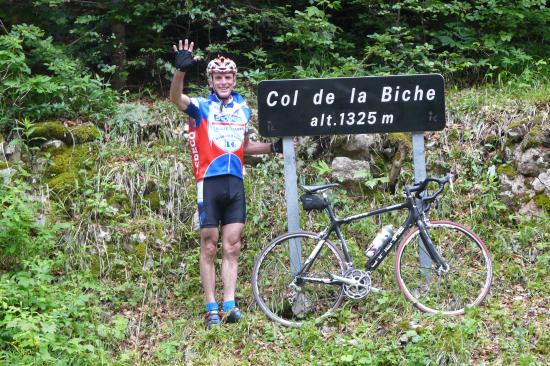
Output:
x,y
193,109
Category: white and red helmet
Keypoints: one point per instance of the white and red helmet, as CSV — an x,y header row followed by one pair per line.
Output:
x,y
222,65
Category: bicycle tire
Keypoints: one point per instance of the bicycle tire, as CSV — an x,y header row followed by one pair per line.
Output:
x,y
467,281
272,276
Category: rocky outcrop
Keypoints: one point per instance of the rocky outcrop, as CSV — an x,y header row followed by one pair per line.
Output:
x,y
525,178
349,172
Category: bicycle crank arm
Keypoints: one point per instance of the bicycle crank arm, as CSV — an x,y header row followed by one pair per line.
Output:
x,y
347,281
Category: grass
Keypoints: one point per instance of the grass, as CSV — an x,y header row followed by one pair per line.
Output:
x,y
144,300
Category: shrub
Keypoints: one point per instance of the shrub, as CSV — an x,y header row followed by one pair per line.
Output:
x,y
39,81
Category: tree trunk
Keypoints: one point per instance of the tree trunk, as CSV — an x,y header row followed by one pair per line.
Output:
x,y
119,56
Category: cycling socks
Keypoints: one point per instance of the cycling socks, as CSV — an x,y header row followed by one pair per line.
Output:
x,y
228,305
211,306
230,313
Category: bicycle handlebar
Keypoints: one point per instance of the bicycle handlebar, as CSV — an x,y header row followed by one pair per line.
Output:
x,y
420,187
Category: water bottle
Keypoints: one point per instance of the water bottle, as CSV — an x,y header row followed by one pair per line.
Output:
x,y
382,238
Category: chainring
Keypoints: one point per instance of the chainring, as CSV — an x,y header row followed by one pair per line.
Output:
x,y
361,288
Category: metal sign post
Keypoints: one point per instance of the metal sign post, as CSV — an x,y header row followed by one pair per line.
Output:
x,y
419,163
291,190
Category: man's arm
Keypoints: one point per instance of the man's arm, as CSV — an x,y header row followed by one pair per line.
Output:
x,y
176,95
253,147
184,61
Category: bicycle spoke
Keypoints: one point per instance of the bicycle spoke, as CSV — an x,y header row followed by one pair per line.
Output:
x,y
290,302
450,291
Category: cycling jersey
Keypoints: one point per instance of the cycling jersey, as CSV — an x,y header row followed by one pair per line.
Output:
x,y
216,135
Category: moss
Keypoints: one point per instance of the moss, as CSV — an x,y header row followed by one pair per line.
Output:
x,y
4,165
453,135
121,202
538,120
86,133
533,138
45,131
95,266
494,140
508,169
518,123
64,182
140,251
543,201
154,200
66,169
400,137
69,159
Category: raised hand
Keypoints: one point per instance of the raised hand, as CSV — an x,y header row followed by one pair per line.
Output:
x,y
184,56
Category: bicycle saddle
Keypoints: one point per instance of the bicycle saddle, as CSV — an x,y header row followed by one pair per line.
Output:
x,y
319,187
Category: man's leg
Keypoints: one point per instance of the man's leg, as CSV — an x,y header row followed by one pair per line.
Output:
x,y
209,244
231,243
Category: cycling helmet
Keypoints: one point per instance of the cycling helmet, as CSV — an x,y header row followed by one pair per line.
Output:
x,y
221,64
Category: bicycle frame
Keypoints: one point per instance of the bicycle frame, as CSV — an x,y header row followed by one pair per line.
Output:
x,y
415,216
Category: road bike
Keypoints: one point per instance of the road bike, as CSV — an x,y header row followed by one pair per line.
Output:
x,y
440,266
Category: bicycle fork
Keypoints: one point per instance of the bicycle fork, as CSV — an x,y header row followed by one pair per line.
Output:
x,y
442,265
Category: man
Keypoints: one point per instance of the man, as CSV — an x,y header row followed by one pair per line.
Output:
x,y
218,138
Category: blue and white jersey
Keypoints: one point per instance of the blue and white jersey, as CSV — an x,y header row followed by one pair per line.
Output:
x,y
216,135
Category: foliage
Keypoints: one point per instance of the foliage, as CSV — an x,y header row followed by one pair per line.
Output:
x,y
39,81
47,320
462,38
131,41
20,234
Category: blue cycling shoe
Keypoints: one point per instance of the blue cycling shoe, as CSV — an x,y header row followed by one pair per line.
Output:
x,y
212,319
233,316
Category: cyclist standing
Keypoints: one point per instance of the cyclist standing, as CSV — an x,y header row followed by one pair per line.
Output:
x,y
218,139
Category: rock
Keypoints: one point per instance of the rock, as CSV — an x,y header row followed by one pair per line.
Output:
x,y
546,139
12,151
530,210
542,182
355,146
6,175
56,144
513,188
531,162
349,171
516,134
40,164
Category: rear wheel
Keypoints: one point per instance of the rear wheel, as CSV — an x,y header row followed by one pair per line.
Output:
x,y
291,302
464,284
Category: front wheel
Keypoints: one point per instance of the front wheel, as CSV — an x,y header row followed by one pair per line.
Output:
x,y
463,284
289,300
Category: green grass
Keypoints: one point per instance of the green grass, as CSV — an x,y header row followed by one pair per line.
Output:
x,y
140,302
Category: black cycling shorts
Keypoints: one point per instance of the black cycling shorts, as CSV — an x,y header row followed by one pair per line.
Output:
x,y
221,201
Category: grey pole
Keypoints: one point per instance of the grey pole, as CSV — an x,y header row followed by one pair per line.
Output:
x,y
419,162
291,189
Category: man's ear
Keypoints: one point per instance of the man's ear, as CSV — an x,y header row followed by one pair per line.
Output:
x,y
210,82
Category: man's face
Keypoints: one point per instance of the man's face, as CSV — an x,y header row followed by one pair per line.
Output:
x,y
222,84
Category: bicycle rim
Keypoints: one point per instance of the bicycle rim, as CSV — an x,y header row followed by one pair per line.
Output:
x,y
272,277
464,285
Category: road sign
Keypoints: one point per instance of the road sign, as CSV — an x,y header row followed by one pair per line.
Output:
x,y
373,104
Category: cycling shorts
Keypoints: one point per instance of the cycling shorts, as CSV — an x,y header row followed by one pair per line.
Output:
x,y
221,201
